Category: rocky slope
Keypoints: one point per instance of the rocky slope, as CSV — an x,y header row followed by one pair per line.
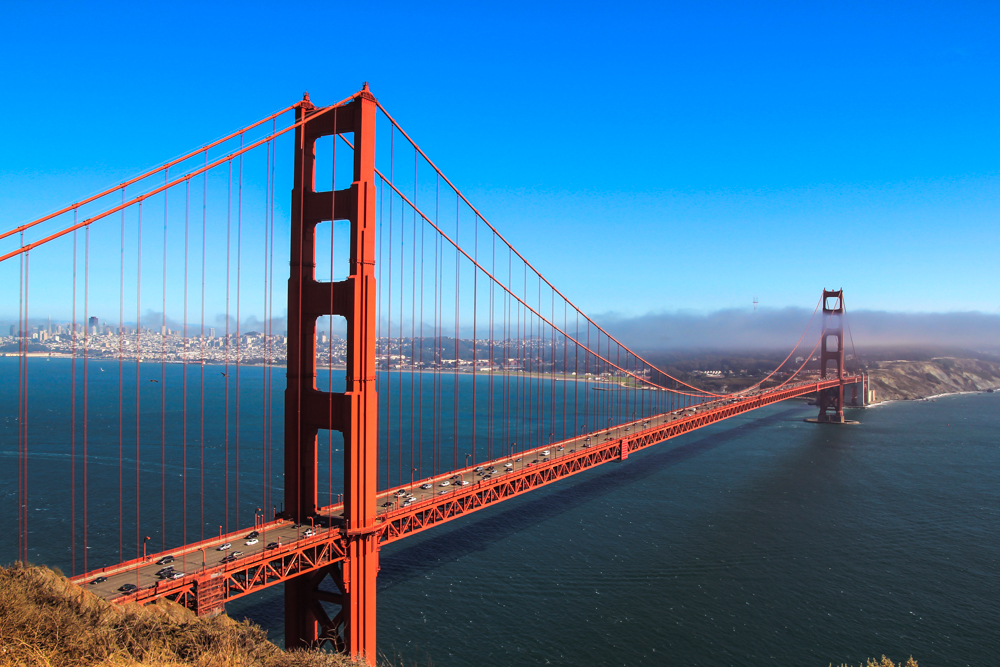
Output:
x,y
907,380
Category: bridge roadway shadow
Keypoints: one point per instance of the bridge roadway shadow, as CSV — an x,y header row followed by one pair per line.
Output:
x,y
477,534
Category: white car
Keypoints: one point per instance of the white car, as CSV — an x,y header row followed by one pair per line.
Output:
x,y
309,532
426,486
251,542
225,546
445,483
462,483
508,465
545,453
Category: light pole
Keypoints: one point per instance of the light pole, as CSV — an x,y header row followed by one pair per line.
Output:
x,y
144,540
412,470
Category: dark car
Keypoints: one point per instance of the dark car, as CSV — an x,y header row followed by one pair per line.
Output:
x,y
252,535
128,588
99,580
165,560
272,545
228,559
163,572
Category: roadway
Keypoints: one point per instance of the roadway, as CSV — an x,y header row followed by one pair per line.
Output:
x,y
205,559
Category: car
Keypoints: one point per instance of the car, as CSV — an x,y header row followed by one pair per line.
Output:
x,y
387,503
252,535
175,575
426,486
228,559
571,451
545,453
517,460
626,429
407,503
309,532
224,546
128,588
99,580
162,572
272,545
165,560
441,493
478,468
252,542
508,465
454,477
560,448
535,461
462,483
445,483
236,554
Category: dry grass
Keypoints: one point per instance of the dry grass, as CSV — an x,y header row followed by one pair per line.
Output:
x,y
886,662
47,621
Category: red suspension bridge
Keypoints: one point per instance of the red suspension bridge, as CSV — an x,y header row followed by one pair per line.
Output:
x,y
431,371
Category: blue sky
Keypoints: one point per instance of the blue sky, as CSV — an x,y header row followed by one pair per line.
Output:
x,y
647,157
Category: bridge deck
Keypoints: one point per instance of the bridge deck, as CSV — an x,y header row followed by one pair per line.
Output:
x,y
207,583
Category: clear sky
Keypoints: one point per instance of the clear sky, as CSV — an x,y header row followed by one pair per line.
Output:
x,y
647,157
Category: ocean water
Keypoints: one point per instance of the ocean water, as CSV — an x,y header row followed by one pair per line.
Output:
x,y
759,541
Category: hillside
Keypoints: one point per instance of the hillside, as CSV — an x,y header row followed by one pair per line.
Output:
x,y
908,380
47,620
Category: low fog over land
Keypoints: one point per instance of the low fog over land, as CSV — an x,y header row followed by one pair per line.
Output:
x,y
776,329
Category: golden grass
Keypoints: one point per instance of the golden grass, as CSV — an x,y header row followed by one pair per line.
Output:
x,y
886,662
47,621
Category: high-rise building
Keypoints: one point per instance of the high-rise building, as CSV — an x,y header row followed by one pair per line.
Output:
x,y
211,332
92,323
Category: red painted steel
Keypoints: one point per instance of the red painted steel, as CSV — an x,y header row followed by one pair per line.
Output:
x,y
310,559
831,400
353,412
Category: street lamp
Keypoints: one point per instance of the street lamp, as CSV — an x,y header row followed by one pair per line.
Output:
x,y
144,540
412,470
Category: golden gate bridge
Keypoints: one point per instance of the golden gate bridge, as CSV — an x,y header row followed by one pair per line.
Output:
x,y
430,369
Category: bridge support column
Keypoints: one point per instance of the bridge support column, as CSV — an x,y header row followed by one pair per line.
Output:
x,y
353,412
831,401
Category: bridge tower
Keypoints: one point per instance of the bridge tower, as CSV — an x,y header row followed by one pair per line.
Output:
x,y
831,401
353,412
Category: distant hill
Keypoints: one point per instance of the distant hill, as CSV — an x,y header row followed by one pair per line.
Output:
x,y
907,380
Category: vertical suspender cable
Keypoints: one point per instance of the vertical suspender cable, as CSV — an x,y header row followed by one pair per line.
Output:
x,y
186,360
163,381
86,296
121,384
72,406
239,256
138,361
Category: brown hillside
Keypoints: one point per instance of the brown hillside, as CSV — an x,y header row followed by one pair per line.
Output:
x,y
47,620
